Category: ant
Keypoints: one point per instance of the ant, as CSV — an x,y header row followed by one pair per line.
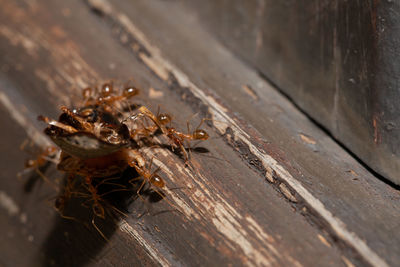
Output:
x,y
42,158
61,200
46,155
147,131
107,96
92,195
177,137
151,177
95,143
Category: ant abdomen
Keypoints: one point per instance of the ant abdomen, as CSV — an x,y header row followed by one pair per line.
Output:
x,y
130,92
157,181
106,90
200,134
164,118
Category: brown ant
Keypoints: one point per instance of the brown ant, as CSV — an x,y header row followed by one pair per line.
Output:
x,y
151,177
96,144
107,96
61,200
46,155
42,158
177,137
97,206
147,131
87,152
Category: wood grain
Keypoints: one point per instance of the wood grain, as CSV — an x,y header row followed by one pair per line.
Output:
x,y
223,210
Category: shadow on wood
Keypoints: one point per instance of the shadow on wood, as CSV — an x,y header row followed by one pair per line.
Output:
x,y
85,234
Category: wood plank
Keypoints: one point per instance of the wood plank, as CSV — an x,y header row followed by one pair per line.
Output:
x,y
230,215
323,168
337,60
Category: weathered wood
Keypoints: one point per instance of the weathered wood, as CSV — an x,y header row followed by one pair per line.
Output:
x,y
337,60
310,213
323,168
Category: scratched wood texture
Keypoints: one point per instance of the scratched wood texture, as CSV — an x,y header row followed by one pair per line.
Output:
x,y
271,190
336,59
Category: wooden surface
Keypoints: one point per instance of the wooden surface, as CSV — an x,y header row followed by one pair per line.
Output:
x,y
337,60
272,190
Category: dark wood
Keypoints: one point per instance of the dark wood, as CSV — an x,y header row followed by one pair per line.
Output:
x,y
272,190
337,60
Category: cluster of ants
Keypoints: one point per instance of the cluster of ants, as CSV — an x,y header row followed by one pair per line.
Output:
x,y
96,141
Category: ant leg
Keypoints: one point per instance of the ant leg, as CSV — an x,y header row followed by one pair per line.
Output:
x,y
58,205
189,153
24,144
119,211
158,111
114,190
184,152
140,172
179,143
140,196
60,202
66,217
134,179
201,122
188,127
151,162
146,112
138,192
98,209
141,187
47,180
105,181
99,231
191,117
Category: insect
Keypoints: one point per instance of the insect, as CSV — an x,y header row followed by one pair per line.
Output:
x,y
62,199
177,137
96,143
41,159
48,154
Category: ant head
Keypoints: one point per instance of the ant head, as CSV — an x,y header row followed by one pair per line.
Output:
x,y
200,134
106,90
130,91
157,181
164,118
98,210
87,92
